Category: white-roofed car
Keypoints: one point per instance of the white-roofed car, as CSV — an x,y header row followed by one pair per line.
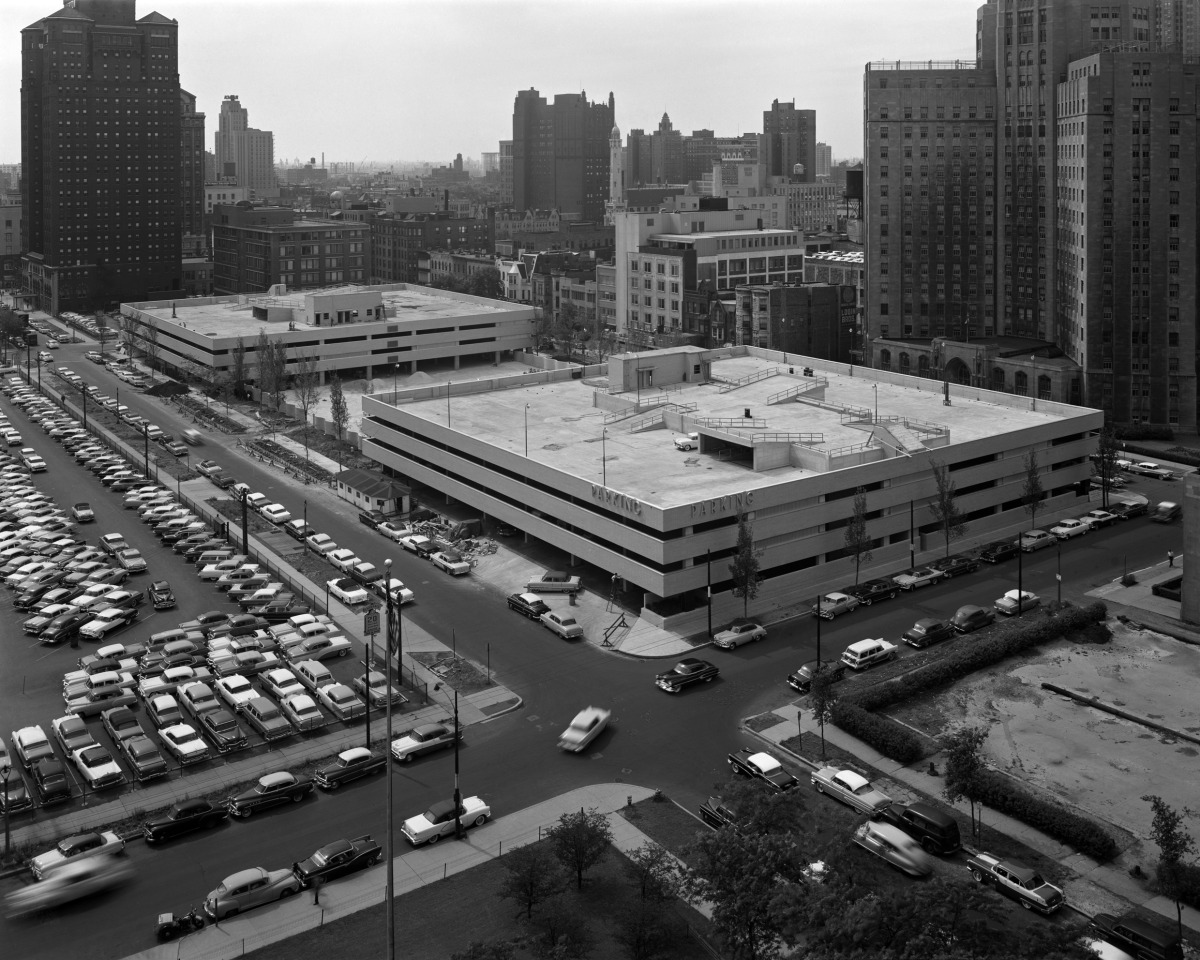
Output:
x,y
439,820
320,543
74,849
400,593
739,632
451,561
303,712
587,725
1066,529
851,788
235,690
71,882
184,743
1016,601
562,623
282,682
342,702
343,558
348,591
249,888
425,738
276,513
833,604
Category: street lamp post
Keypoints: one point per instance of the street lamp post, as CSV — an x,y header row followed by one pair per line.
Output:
x,y
84,394
306,518
458,830
875,387
146,447
392,642
604,457
526,431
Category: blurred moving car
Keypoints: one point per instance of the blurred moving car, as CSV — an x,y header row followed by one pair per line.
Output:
x,y
73,849
586,726
894,846
72,882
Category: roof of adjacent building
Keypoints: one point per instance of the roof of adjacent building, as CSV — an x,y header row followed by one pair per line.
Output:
x,y
371,484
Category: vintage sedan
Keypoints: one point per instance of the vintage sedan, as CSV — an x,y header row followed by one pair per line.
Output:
x,y
438,821
918,577
894,846
208,467
144,757
971,617
374,688
249,888
270,791
852,789
235,690
685,673
342,558
956,565
425,738
320,543
717,813
998,551
927,631
184,743
338,859
563,624
585,728
50,781
69,883
801,680
1066,529
342,702
282,683
161,595
1128,509
348,591
184,817
415,543
757,765
451,562
834,604
350,765
1096,519
1037,540
74,849
1016,601
528,605
739,632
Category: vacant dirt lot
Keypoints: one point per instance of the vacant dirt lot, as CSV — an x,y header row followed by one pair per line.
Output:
x,y
1091,759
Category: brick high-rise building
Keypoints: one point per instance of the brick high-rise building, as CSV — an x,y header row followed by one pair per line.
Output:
x,y
100,136
560,154
191,174
790,137
1044,193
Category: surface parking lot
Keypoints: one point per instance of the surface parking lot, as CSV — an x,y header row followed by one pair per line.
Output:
x,y
31,673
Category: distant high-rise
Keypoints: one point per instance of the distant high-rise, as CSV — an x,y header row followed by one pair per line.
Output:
x,y
506,172
244,154
191,173
1177,27
791,142
824,160
100,136
561,154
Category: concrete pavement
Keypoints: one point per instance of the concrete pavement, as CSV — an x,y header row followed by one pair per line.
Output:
x,y
412,869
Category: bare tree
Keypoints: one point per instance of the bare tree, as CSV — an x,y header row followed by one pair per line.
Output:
x,y
533,875
858,539
339,412
1107,454
150,346
223,386
307,384
263,368
580,841
278,352
944,506
823,695
238,370
128,335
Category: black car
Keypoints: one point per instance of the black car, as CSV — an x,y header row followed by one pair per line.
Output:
x,y
998,551
758,765
239,625
801,680
270,791
183,817
350,765
14,797
927,631
161,596
955,565
277,611
934,829
716,813
338,859
63,627
371,518
222,728
50,780
867,593
222,481
528,604
1127,509
685,673
1137,937
972,617
182,546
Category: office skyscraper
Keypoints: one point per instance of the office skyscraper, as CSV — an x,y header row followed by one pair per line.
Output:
x,y
244,154
100,136
790,137
560,154
191,174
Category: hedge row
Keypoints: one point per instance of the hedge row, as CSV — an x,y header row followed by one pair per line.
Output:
x,y
977,654
1144,431
1175,454
1053,819
883,733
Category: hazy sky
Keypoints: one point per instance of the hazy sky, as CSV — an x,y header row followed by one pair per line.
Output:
x,y
426,79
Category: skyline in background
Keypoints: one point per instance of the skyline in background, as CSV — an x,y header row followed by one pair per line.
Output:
x,y
335,78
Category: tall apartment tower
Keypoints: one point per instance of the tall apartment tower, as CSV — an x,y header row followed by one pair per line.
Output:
x,y
100,156
191,174
1001,203
506,172
791,141
1177,27
561,154
824,160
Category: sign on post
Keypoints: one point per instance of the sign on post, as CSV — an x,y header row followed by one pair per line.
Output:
x,y
371,622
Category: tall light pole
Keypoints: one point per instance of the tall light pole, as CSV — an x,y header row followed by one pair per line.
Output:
x,y
526,431
458,830
604,457
146,447
875,387
392,650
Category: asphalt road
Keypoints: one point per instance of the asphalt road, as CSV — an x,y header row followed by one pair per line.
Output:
x,y
676,743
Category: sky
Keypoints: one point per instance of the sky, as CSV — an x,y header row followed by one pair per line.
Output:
x,y
423,80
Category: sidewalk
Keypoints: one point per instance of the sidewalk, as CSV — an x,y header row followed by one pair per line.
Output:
x,y
414,868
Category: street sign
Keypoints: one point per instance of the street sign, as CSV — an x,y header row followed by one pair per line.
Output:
x,y
371,622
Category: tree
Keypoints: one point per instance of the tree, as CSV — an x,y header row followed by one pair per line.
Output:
x,y
223,386
964,770
944,506
128,334
1107,454
339,412
239,366
263,368
533,875
823,694
486,283
150,340
1174,846
654,872
739,875
744,568
12,330
278,361
580,841
644,930
566,324
1032,493
478,950
307,384
565,933
858,540
763,810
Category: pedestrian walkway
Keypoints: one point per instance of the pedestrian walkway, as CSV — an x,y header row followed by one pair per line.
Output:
x,y
1099,887
414,868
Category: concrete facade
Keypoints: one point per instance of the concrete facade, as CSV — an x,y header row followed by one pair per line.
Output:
x,y
587,464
